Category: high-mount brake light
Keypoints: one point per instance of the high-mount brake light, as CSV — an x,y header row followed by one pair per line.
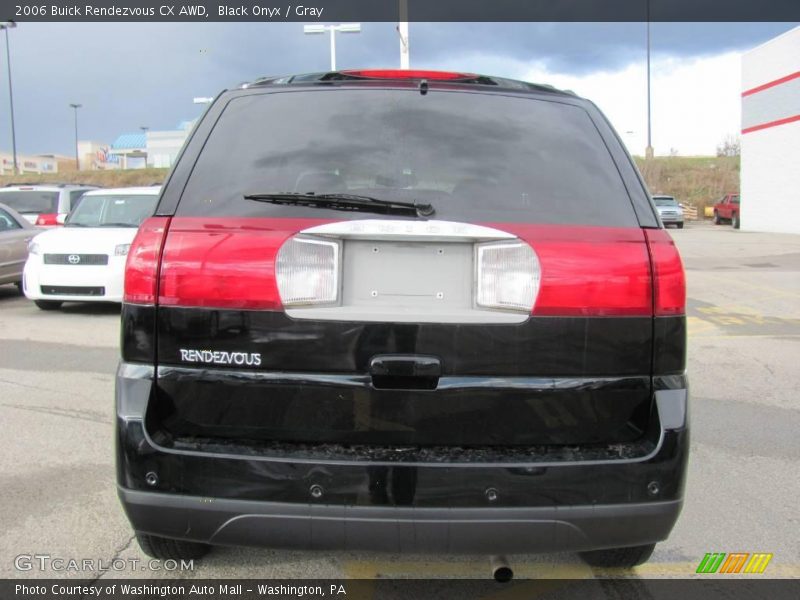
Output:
x,y
409,74
141,267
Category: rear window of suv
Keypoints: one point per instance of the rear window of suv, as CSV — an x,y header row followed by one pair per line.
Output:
x,y
30,201
473,156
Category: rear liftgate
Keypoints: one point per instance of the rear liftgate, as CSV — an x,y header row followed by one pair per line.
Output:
x,y
281,332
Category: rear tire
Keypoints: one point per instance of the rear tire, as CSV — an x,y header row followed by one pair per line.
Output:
x,y
618,558
717,220
19,286
48,304
168,548
735,221
680,225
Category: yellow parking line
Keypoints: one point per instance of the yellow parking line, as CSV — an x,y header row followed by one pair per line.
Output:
x,y
695,325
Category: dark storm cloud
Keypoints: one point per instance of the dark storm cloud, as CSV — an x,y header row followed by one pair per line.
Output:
x,y
132,75
127,76
578,48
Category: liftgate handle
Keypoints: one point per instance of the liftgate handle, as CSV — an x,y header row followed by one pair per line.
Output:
x,y
405,365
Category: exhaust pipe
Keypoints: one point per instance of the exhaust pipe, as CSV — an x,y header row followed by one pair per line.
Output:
x,y
501,570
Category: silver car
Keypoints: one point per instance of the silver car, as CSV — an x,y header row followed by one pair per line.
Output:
x,y
44,204
669,210
15,233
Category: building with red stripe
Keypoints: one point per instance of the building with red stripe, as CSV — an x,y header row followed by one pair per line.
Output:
x,y
770,169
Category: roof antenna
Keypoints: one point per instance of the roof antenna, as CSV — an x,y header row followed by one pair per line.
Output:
x,y
423,87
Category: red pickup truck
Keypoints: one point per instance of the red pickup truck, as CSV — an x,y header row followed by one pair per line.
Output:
x,y
727,209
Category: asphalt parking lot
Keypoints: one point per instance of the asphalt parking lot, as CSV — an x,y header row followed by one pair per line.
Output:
x,y
56,444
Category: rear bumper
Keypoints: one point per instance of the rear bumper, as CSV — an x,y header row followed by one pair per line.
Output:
x,y
399,529
229,497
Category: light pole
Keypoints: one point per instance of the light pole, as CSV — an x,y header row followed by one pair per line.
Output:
x,y
343,28
77,160
402,31
6,26
649,150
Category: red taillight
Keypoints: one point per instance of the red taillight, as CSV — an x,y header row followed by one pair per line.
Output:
x,y
589,271
224,262
231,263
47,219
141,267
669,279
409,74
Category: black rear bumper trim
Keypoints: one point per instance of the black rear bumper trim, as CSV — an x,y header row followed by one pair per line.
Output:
x,y
399,529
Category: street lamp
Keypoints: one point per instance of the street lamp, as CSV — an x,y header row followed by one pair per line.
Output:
x,y
402,31
5,26
342,28
648,153
77,160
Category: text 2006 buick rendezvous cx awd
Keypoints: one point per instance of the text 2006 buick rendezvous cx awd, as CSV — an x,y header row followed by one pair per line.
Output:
x,y
404,311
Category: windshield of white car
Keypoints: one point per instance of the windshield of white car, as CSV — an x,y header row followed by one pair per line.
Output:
x,y
30,201
665,201
118,210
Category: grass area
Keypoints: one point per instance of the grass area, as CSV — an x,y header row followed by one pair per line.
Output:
x,y
114,178
696,180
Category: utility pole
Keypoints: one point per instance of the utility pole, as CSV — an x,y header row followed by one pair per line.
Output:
x,y
77,160
402,30
648,153
5,27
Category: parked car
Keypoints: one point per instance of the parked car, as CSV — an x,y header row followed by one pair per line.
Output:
x,y
45,205
15,233
727,209
409,311
84,261
669,210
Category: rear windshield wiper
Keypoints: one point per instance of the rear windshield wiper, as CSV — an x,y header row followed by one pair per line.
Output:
x,y
116,225
353,202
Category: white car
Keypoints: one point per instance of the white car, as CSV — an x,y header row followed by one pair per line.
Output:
x,y
85,259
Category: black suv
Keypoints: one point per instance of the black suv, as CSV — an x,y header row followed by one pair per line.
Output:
x,y
407,311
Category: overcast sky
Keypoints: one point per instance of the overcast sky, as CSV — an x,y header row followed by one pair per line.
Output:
x,y
132,75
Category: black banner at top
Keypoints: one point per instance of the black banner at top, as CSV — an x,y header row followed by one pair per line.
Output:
x,y
390,10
